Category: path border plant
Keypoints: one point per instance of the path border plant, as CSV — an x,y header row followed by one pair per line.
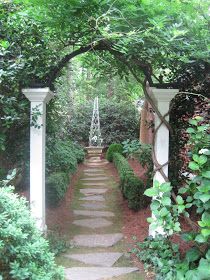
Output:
x,y
167,209
131,186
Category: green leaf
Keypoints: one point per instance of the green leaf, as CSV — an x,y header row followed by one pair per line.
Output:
x,y
182,190
193,122
155,205
202,128
204,197
206,219
150,220
206,174
166,201
192,275
202,159
196,157
164,212
208,255
165,187
151,192
189,236
179,200
193,254
200,238
190,130
204,269
193,166
205,232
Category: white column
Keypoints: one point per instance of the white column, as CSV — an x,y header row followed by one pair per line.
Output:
x,y
162,99
38,98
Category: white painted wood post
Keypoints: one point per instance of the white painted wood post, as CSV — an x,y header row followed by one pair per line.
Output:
x,y
162,99
38,98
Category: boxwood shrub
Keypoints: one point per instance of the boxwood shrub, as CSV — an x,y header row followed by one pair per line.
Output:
x,y
24,253
56,187
131,186
113,148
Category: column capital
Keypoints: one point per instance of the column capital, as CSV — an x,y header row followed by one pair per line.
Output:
x,y
38,94
162,94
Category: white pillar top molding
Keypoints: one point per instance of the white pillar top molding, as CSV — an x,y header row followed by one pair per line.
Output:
x,y
162,94
38,94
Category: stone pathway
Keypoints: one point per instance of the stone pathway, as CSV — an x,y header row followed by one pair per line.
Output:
x,y
99,252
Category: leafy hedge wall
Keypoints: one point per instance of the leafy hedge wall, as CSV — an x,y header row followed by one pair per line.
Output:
x,y
62,159
131,186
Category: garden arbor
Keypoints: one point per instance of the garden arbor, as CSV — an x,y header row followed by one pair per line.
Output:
x,y
39,97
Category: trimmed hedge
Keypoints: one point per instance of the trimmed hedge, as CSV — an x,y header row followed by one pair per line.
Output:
x,y
24,253
113,148
131,186
56,187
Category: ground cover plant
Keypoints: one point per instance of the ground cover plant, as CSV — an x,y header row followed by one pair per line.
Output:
x,y
24,253
130,147
167,209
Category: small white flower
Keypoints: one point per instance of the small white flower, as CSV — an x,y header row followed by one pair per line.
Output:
x,y
203,151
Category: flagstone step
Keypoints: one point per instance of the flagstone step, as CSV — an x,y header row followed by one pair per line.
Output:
x,y
89,184
94,174
96,164
92,170
93,198
93,223
97,259
94,205
97,240
90,191
95,179
96,273
93,213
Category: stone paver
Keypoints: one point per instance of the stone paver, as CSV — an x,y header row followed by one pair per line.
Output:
x,y
94,174
96,273
93,223
97,240
93,213
89,184
96,179
93,197
89,191
97,259
94,205
94,170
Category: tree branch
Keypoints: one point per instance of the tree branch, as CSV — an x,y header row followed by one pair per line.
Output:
x,y
52,75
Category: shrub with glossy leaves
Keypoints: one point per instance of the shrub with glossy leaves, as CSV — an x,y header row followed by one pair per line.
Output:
x,y
113,148
24,253
56,187
63,155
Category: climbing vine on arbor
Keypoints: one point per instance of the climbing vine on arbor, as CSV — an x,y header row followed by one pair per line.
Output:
x,y
167,209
